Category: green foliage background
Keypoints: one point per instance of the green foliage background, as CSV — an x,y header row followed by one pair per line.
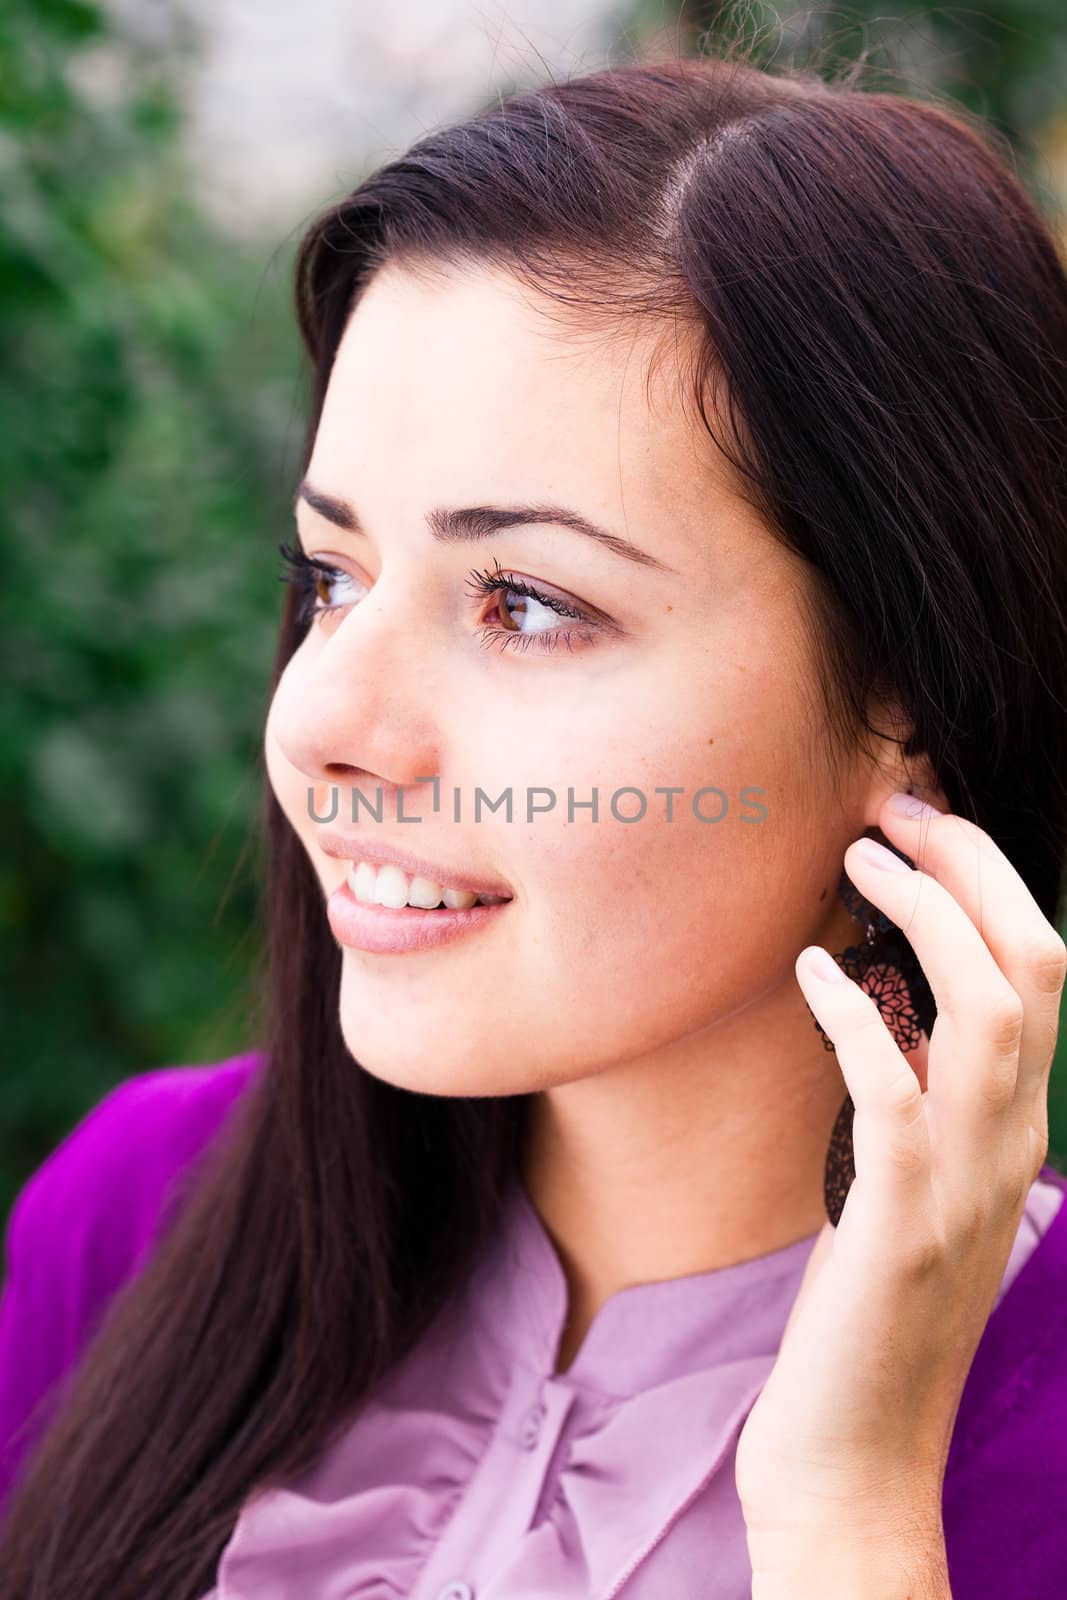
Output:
x,y
152,392
150,387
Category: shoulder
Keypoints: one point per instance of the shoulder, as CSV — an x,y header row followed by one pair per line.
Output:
x,y
84,1221
105,1183
1023,1349
1008,1457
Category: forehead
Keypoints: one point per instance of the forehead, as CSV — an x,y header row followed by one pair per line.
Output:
x,y
466,385
474,343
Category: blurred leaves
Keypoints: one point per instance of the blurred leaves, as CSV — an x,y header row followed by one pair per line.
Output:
x,y
148,376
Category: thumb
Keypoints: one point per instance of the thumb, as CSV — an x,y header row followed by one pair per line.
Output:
x,y
812,1270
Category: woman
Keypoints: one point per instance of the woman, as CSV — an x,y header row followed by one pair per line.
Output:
x,y
683,480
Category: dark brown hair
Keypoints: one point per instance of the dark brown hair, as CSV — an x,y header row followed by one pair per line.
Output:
x,y
883,325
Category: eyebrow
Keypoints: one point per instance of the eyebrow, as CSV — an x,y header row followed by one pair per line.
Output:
x,y
452,525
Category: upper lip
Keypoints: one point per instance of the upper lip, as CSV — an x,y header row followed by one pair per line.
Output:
x,y
359,848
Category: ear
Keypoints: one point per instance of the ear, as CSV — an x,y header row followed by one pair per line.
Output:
x,y
893,769
921,779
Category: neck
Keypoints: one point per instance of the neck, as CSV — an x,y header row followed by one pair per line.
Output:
x,y
708,1153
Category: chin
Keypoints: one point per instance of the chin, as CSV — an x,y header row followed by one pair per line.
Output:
x,y
428,1063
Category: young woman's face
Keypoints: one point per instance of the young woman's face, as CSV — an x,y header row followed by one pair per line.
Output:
x,y
686,671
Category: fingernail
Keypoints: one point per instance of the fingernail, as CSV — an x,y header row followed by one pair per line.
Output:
x,y
909,805
821,964
879,856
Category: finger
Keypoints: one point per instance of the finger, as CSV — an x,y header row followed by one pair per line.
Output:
x,y
1025,946
890,1138
972,1072
918,1059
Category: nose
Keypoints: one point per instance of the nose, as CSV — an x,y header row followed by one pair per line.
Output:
x,y
358,705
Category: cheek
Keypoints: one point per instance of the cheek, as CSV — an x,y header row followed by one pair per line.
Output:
x,y
645,930
648,929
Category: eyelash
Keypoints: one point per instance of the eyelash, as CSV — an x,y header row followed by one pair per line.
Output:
x,y
304,570
484,584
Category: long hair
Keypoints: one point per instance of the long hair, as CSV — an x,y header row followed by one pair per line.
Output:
x,y
882,329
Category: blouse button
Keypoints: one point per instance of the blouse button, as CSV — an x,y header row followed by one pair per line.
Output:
x,y
531,1427
456,1590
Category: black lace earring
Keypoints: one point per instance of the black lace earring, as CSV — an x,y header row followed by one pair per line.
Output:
x,y
886,967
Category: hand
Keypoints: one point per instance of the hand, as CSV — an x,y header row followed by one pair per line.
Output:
x,y
852,1428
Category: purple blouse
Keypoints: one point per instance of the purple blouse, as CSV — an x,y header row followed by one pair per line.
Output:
x,y
475,1471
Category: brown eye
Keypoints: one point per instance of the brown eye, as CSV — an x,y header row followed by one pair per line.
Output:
x,y
525,608
520,602
315,582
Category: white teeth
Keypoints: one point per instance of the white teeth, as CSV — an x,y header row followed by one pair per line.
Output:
x,y
389,886
424,892
458,899
362,878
